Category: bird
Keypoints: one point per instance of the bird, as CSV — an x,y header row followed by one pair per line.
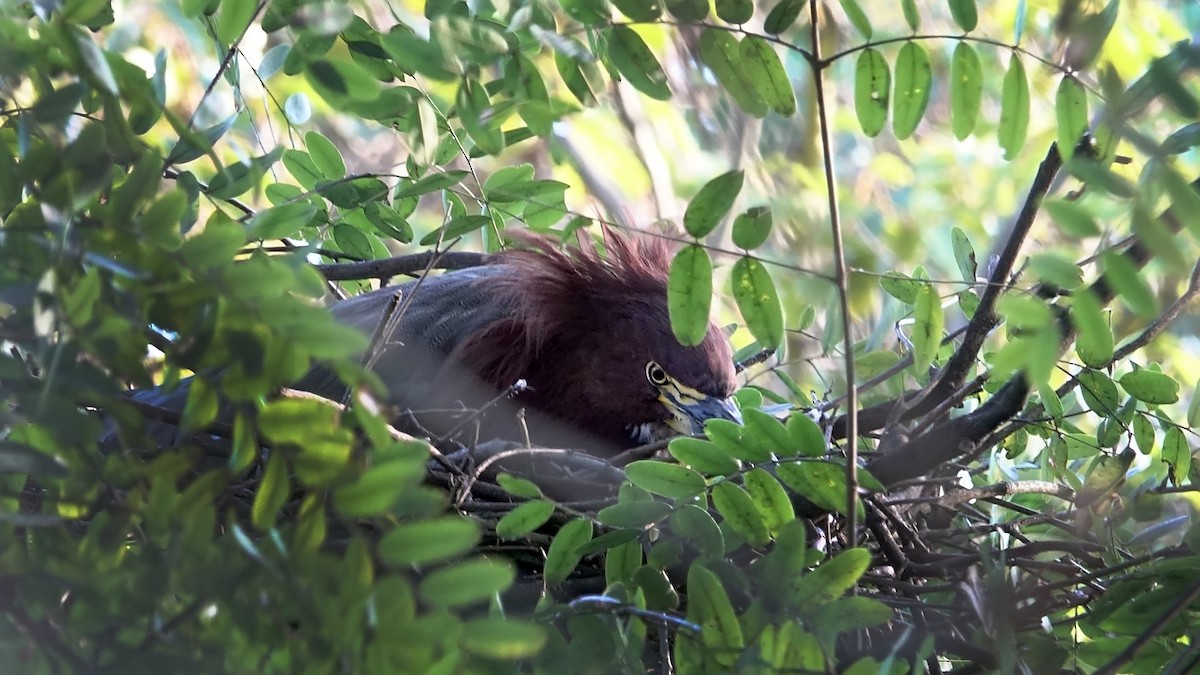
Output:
x,y
556,346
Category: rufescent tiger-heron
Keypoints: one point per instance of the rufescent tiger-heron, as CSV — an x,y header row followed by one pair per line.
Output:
x,y
588,333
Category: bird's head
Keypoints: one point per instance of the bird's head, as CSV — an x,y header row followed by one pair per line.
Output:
x,y
599,351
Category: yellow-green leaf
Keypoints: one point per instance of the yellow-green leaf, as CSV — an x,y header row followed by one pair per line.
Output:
x,y
1070,107
758,302
966,89
872,87
914,77
689,294
1014,109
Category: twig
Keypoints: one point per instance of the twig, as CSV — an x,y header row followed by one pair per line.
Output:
x,y
841,280
407,264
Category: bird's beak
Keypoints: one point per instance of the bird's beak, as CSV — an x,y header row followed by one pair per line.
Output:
x,y
692,409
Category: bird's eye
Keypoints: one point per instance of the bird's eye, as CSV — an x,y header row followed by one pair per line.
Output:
x,y
656,375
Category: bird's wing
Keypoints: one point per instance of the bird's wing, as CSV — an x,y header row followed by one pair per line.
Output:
x,y
437,314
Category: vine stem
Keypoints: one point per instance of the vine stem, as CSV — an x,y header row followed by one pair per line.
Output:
x,y
841,279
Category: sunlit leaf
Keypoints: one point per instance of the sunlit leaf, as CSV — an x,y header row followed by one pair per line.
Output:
x,y
770,498
722,53
1093,336
911,16
927,328
1071,110
966,89
751,228
758,302
709,606
857,16
872,88
766,74
637,64
914,78
563,555
703,456
1177,454
668,480
740,513
689,294
1014,109
1150,386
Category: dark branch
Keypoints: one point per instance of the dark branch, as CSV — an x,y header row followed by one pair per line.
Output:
x,y
955,371
405,264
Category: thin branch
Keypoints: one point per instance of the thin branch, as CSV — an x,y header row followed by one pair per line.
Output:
x,y
386,268
841,279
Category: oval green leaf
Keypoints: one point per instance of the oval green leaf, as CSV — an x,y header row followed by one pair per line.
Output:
x,y
466,583
751,228
711,203
563,555
857,17
668,480
735,11
524,519
965,14
721,52
1071,111
766,74
927,328
1150,386
872,87
637,64
740,513
1093,336
428,541
689,294
1014,109
914,77
758,302
966,90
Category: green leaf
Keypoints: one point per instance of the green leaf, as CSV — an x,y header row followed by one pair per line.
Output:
x,y
475,112
720,51
911,16
281,221
703,456
23,459
914,77
669,480
966,89
766,74
1055,269
1123,275
711,203
770,499
688,10
901,287
830,579
431,182
740,513
636,63
751,228
642,11
233,18
428,541
964,254
822,483
1099,392
697,527
709,606
782,16
1073,218
1071,111
857,17
806,436
518,487
525,518
378,489
341,82
1093,336
965,14
1014,109
564,556
633,514
578,72
927,328
735,11
1143,434
872,87
503,638
689,294
466,583
1150,386
325,156
758,302
1177,454
272,493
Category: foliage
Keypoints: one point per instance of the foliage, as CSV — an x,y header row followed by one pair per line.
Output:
x,y
1027,501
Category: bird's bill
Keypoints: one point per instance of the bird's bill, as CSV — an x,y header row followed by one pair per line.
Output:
x,y
692,409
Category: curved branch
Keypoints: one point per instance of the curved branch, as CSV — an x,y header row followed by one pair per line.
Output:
x,y
405,264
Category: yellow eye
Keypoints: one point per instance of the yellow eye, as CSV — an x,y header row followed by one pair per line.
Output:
x,y
656,375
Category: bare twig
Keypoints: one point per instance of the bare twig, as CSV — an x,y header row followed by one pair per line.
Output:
x,y
406,264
